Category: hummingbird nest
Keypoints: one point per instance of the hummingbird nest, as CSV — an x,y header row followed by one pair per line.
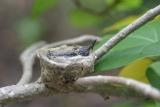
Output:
x,y
65,64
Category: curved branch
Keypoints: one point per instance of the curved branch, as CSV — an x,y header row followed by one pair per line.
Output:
x,y
27,59
149,15
111,85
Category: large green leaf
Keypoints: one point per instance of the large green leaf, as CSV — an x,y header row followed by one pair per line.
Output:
x,y
145,42
153,74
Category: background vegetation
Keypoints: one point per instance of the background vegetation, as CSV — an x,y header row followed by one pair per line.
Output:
x,y
24,22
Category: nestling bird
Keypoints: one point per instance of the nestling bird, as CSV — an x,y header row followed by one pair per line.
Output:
x,y
71,51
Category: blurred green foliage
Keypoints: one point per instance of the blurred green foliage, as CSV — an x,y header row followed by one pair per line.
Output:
x,y
77,19
41,6
125,5
94,5
30,28
103,8
123,104
100,13
109,2
135,103
29,31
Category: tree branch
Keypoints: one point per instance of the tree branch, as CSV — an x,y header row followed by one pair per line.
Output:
x,y
104,85
27,59
16,93
120,86
149,15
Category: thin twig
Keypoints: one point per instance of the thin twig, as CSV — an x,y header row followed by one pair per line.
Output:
x,y
149,15
27,59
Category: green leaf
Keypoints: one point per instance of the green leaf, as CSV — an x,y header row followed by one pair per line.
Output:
x,y
83,19
153,74
40,6
142,43
156,67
